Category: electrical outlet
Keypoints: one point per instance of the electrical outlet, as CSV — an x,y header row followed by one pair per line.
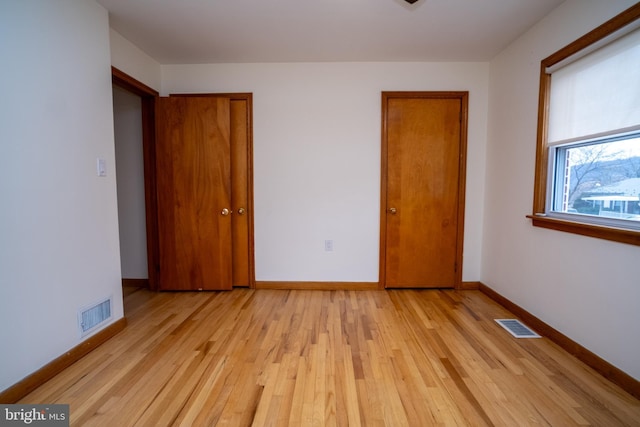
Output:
x,y
328,245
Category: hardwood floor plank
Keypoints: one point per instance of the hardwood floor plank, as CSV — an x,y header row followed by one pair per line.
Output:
x,y
329,358
353,408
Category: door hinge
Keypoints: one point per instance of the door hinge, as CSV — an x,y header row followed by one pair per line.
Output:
x,y
455,267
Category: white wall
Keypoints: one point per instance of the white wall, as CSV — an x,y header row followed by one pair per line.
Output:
x,y
58,222
586,288
129,59
317,132
127,117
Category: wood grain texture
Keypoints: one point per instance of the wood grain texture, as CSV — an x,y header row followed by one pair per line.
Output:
x,y
51,369
609,371
194,186
241,254
284,358
630,237
424,149
241,110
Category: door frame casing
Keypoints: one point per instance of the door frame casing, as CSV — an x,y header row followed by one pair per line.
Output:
x,y
463,96
148,98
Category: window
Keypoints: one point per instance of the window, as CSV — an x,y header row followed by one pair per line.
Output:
x,y
588,157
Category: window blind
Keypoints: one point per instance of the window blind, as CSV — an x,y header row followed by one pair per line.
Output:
x,y
598,94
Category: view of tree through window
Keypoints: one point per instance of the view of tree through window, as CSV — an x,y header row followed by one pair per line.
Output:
x,y
600,179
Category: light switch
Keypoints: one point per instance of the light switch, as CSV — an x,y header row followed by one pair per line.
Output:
x,y
101,167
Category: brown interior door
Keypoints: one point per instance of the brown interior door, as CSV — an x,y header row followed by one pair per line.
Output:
x,y
424,141
194,193
240,189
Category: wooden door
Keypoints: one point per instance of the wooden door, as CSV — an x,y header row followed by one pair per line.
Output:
x,y
194,193
241,108
241,200
422,212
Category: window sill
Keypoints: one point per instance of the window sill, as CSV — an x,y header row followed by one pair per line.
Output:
x,y
598,231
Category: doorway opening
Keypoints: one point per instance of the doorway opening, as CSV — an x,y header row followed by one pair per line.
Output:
x,y
134,122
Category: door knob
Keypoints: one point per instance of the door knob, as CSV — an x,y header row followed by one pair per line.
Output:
x,y
393,211
225,212
241,211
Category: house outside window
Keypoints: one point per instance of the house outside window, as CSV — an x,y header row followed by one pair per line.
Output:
x,y
599,179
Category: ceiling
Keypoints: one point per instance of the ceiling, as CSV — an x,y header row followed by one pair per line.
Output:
x,y
230,31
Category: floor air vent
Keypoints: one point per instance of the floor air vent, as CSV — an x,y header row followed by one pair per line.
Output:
x,y
517,328
90,318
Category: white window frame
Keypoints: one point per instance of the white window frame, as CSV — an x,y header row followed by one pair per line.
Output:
x,y
557,154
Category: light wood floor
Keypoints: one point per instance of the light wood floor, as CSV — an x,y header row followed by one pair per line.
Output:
x,y
314,358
